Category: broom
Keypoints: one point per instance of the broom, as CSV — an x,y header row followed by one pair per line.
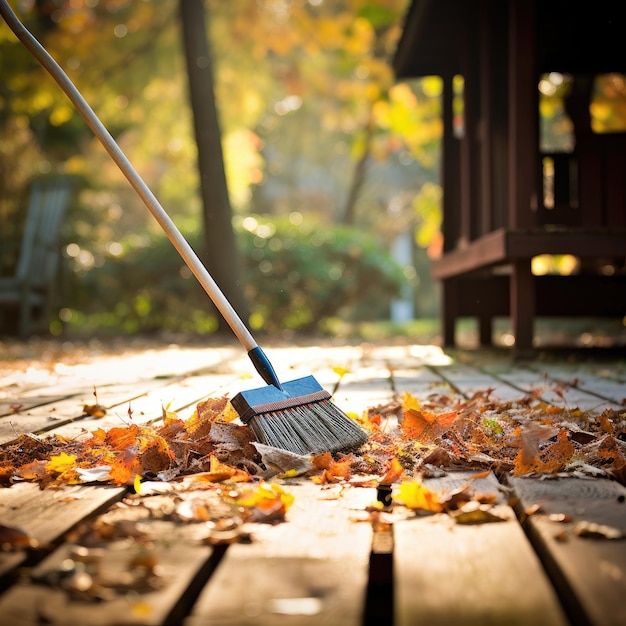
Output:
x,y
298,415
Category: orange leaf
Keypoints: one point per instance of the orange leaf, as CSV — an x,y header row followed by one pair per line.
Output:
x,y
375,420
394,472
606,424
529,459
99,435
207,412
139,438
341,469
323,460
266,503
426,426
36,470
94,410
7,469
219,472
124,467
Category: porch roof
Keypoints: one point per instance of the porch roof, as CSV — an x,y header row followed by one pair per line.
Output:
x,y
572,37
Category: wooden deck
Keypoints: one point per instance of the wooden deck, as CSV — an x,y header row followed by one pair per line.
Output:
x,y
554,552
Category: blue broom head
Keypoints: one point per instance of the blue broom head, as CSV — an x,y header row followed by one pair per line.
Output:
x,y
300,418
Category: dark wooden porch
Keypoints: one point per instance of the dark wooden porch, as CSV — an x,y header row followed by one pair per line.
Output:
x,y
507,200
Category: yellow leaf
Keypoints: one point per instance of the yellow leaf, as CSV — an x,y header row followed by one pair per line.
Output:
x,y
410,402
169,417
414,495
265,495
269,501
61,463
94,410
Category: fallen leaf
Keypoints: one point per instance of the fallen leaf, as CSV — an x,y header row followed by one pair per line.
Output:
x,y
415,495
475,513
61,463
592,530
549,460
394,473
283,461
266,502
94,410
426,426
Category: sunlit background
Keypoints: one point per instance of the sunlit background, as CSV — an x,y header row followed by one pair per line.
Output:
x,y
332,166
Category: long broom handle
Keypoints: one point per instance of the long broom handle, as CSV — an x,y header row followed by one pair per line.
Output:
x,y
180,243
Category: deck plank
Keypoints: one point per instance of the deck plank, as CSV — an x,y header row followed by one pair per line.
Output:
x,y
116,380
594,380
67,409
13,405
468,380
590,573
548,381
311,570
45,515
446,573
180,397
32,603
145,400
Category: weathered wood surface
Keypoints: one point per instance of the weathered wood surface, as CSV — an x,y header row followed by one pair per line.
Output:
x,y
311,570
588,567
322,565
448,573
181,566
46,515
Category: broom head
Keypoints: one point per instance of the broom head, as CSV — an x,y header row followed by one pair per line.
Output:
x,y
300,418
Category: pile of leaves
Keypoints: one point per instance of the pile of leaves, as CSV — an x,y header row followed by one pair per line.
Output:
x,y
527,436
523,437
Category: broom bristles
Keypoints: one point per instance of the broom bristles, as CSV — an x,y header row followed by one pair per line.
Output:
x,y
308,428
300,418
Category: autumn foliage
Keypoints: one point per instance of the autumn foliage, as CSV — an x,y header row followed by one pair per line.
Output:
x,y
407,439
207,474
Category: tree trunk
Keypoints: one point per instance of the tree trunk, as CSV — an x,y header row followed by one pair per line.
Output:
x,y
222,255
358,177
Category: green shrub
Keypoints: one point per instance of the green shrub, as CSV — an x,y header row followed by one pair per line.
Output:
x,y
297,277
146,289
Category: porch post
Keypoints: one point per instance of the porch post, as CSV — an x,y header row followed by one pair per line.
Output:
x,y
451,209
523,150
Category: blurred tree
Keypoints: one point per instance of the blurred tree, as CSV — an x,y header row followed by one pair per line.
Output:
x,y
221,248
